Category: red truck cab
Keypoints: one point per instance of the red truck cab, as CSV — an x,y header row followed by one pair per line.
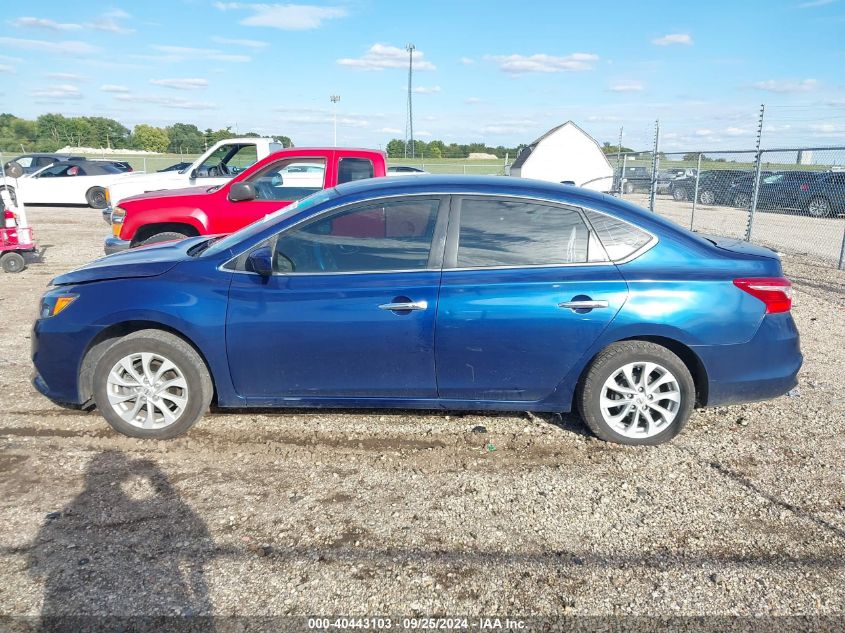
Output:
x,y
266,186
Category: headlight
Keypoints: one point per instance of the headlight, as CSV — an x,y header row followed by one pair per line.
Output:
x,y
117,215
51,306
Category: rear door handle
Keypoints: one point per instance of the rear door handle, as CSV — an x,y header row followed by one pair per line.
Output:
x,y
584,304
404,306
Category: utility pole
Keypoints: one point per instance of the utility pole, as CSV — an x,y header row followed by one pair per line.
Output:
x,y
758,159
655,162
334,99
409,128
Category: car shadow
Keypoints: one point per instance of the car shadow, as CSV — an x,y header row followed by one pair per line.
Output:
x,y
125,551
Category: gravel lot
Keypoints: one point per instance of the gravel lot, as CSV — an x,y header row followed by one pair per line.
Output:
x,y
353,513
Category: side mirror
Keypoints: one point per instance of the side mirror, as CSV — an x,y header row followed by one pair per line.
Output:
x,y
13,169
261,261
193,173
240,191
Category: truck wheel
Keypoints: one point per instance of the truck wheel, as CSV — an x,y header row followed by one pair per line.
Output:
x,y
12,262
679,194
166,236
96,197
707,197
818,207
152,384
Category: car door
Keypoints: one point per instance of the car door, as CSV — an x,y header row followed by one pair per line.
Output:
x,y
349,311
46,186
526,290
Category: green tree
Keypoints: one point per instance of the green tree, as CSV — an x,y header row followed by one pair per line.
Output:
x,y
185,137
395,148
152,139
692,157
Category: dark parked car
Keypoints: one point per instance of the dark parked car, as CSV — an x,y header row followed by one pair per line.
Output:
x,y
636,179
714,186
33,162
176,167
778,190
543,297
824,196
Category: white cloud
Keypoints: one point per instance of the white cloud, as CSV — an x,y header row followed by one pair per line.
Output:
x,y
44,23
66,76
737,131
193,83
815,3
426,90
627,86
381,56
117,14
182,53
236,42
517,126
467,61
109,25
541,63
673,38
7,69
58,93
472,100
168,102
113,88
390,130
61,48
288,17
783,86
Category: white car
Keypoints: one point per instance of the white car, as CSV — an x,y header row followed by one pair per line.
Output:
x,y
67,182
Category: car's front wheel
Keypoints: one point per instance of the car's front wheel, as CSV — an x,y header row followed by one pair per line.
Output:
x,y
707,197
679,194
152,384
636,392
818,207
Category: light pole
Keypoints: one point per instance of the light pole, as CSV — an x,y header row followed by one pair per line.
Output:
x,y
334,100
410,123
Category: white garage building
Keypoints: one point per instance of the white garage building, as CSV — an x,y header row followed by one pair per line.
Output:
x,y
565,154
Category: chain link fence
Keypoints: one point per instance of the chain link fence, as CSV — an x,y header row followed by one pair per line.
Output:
x,y
791,200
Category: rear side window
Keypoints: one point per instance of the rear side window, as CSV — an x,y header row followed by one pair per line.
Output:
x,y
351,169
619,238
519,233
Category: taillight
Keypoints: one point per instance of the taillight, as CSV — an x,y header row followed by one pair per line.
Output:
x,y
775,292
804,186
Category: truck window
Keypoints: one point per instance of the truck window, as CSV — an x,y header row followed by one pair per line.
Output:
x,y
354,169
290,179
228,160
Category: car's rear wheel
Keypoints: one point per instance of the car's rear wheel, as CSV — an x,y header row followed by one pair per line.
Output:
x,y
636,392
679,194
818,207
152,384
742,200
166,236
707,197
96,198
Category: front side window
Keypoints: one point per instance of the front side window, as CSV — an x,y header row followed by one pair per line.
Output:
x,y
227,160
391,235
290,179
519,233
24,161
58,171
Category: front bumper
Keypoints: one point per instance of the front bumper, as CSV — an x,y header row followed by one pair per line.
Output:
x,y
107,215
115,245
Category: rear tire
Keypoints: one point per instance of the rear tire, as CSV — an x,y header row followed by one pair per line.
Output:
x,y
96,198
12,262
166,392
818,207
653,387
166,236
707,197
679,194
742,200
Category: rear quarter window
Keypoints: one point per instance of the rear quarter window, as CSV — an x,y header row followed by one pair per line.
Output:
x,y
620,239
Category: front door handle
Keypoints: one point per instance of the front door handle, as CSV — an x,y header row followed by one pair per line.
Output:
x,y
584,304
404,306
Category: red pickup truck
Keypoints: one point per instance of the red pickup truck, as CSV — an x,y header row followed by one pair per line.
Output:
x,y
266,186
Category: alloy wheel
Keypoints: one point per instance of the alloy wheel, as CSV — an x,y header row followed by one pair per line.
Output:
x,y
147,390
640,399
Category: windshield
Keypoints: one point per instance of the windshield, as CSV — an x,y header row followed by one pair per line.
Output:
x,y
259,225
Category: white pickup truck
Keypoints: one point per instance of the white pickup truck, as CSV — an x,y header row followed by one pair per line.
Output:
x,y
222,161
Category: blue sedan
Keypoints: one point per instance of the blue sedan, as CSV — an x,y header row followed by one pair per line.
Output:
x,y
426,292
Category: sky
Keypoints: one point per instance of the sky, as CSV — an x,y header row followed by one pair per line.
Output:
x,y
489,71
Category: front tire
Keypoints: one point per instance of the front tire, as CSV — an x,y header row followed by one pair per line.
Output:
x,y
707,197
679,194
96,198
818,207
636,393
167,236
152,385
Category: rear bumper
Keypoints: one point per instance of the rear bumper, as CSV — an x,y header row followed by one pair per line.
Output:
x,y
765,367
115,245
